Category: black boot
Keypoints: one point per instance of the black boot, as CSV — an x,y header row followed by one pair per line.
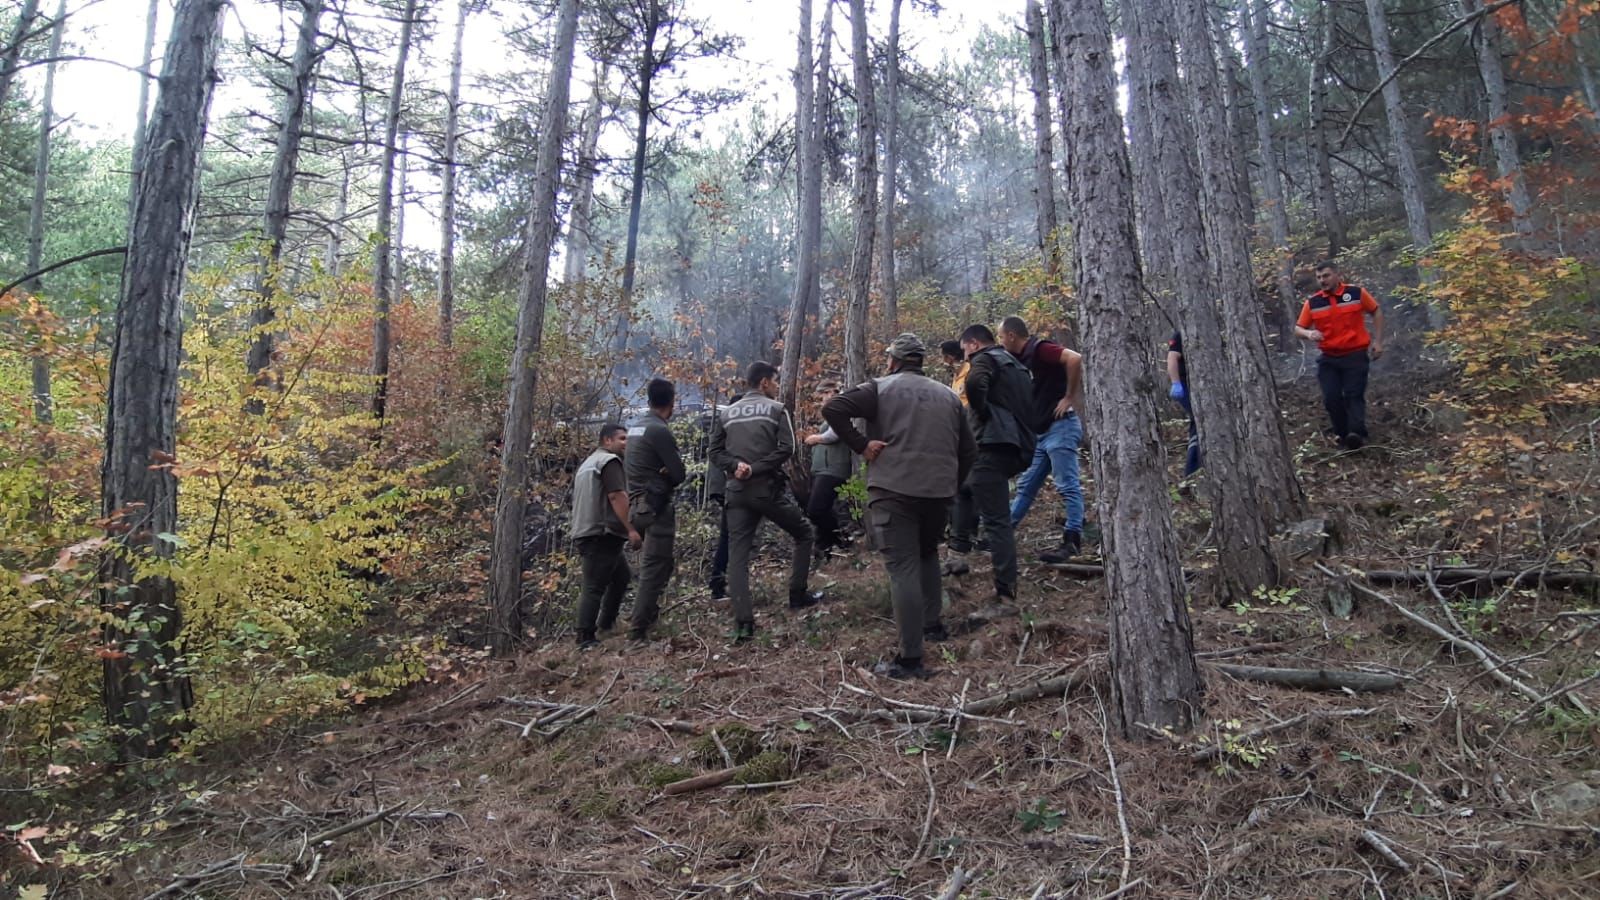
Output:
x,y
1071,546
804,599
587,640
935,633
902,668
743,632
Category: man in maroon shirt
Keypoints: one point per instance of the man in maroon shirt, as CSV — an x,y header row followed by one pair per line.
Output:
x,y
1057,394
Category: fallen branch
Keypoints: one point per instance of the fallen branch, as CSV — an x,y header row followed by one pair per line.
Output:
x,y
1211,752
1562,580
1121,890
1311,679
952,888
1483,656
1381,847
183,882
701,782
679,725
356,825
762,786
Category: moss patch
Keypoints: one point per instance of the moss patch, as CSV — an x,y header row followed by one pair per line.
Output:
x,y
742,743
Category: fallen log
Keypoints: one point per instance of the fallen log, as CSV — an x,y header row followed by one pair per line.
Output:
x,y
1311,679
1456,576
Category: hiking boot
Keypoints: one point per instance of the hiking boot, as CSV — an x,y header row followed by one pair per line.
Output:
x,y
587,640
804,599
1071,546
901,669
955,563
719,588
1352,441
935,633
744,632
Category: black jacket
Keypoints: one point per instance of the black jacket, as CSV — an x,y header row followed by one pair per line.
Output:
x,y
1000,400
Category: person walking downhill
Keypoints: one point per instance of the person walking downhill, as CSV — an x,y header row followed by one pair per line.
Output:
x,y
655,469
999,394
750,442
1336,319
1057,394
1178,374
830,468
919,449
600,527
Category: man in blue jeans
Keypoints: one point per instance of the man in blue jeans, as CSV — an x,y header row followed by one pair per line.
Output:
x,y
1057,394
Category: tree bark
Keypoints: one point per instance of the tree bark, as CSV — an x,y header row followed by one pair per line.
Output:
x,y
1243,528
1486,43
505,562
142,122
145,689
1270,462
1327,193
866,199
1154,677
647,72
1150,201
809,173
1256,55
382,277
578,230
1238,126
891,164
26,15
280,184
447,202
1044,174
43,404
1405,159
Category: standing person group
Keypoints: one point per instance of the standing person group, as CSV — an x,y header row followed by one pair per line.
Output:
x,y
930,450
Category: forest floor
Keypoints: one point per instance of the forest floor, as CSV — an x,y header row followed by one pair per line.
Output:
x,y
544,776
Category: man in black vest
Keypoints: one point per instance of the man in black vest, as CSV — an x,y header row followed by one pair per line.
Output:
x,y
919,449
999,402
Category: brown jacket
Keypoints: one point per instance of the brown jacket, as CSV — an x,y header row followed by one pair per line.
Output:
x,y
931,448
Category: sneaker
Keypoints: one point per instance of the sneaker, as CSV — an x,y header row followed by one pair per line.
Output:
x,y
955,563
1071,546
804,599
587,641
744,632
901,669
936,633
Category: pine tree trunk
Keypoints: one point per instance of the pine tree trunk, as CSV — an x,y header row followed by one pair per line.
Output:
x,y
1243,530
145,689
809,173
43,403
26,16
142,122
1327,194
1238,122
1229,238
1044,174
578,236
280,184
341,210
447,203
1150,201
382,276
866,199
891,164
1257,56
398,245
1486,42
1400,141
505,563
647,71
1154,678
